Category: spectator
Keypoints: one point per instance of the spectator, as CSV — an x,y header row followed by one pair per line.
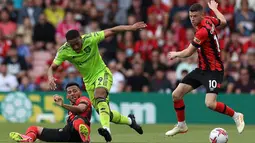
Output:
x,y
150,67
234,45
145,45
127,43
159,83
251,4
72,77
4,46
43,31
244,84
228,82
67,24
23,49
186,64
118,83
8,27
161,12
154,29
26,85
123,65
244,19
137,82
93,26
138,10
182,9
102,4
41,82
119,15
16,65
31,11
188,39
12,11
26,29
250,44
170,44
8,81
251,62
54,14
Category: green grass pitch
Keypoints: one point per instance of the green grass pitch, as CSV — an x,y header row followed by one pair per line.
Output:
x,y
152,133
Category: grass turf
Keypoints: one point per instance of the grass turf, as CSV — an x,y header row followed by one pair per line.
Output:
x,y
152,133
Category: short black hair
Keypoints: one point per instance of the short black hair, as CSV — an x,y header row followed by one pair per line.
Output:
x,y
72,34
73,84
196,7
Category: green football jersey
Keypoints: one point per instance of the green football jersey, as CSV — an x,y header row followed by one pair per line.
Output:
x,y
88,62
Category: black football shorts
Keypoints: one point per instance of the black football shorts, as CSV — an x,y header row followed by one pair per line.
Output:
x,y
211,80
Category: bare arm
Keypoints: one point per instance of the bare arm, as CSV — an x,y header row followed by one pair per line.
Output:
x,y
75,109
52,69
51,79
213,6
184,53
112,31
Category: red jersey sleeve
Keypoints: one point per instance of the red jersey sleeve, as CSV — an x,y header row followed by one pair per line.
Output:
x,y
200,37
216,21
83,100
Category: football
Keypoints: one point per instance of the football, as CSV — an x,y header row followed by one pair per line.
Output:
x,y
218,135
16,107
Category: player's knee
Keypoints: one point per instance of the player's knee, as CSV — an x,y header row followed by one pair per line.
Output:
x,y
100,92
210,104
176,95
100,99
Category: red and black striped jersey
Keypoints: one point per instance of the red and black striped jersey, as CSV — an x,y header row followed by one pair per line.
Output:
x,y
86,114
206,41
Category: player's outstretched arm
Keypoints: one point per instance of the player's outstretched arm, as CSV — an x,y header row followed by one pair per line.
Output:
x,y
213,5
73,108
182,54
122,28
51,79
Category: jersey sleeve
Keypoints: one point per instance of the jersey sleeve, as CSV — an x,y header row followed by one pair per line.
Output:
x,y
97,37
83,100
60,57
216,21
200,37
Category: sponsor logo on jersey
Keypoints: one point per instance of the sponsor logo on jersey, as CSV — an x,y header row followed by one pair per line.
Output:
x,y
197,40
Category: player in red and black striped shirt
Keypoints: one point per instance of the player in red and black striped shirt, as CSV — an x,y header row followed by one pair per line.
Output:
x,y
210,67
77,128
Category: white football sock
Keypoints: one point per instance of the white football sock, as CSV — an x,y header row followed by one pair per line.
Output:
x,y
235,115
183,123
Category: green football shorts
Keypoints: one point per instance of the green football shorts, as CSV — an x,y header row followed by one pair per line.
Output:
x,y
103,79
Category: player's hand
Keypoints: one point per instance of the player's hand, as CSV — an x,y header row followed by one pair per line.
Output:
x,y
212,4
58,100
172,55
52,83
138,26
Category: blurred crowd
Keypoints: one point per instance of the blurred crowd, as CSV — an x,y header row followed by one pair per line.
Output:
x,y
31,31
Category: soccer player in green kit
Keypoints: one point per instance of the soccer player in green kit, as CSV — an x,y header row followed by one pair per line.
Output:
x,y
82,52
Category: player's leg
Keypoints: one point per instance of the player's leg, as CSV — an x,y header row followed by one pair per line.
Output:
x,y
98,93
55,135
179,107
31,135
188,84
212,85
117,118
82,127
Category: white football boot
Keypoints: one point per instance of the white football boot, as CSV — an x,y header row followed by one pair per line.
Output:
x,y
178,129
239,120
